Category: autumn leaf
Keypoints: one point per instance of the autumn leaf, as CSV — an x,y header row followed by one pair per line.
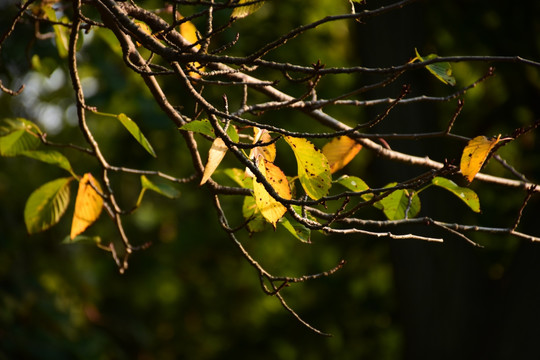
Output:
x,y
88,205
268,151
340,151
215,155
270,208
475,154
189,32
313,169
243,11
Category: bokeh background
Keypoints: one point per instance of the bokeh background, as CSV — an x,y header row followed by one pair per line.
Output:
x,y
192,295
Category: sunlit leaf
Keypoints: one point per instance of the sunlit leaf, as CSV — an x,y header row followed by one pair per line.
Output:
x,y
134,130
18,142
232,133
189,32
340,151
239,176
7,126
162,189
298,230
50,157
199,126
215,155
441,70
88,205
61,32
17,136
466,195
243,11
355,184
251,212
46,205
270,208
269,151
82,238
144,27
475,154
400,204
313,168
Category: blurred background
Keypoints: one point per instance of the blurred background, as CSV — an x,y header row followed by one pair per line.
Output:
x,y
192,295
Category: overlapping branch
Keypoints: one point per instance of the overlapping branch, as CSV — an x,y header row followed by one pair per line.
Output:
x,y
196,66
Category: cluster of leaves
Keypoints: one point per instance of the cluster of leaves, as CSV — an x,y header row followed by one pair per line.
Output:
x,y
307,200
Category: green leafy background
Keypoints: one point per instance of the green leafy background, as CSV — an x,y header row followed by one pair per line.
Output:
x,y
190,295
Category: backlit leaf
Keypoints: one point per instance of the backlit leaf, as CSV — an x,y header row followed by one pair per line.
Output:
x,y
162,189
61,32
396,205
298,230
215,155
269,151
88,205
50,157
189,32
475,154
18,135
134,130
441,70
46,205
199,126
270,208
243,11
313,168
239,176
466,195
251,212
340,151
355,184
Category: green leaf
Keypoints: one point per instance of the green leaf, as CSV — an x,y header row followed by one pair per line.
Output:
x,y
17,136
82,238
134,130
200,126
442,70
239,176
355,184
395,205
232,133
313,169
162,189
50,157
251,212
243,11
466,195
298,230
7,126
61,32
46,205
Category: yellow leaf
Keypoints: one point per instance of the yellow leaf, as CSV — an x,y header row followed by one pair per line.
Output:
x,y
270,208
313,170
340,151
475,154
215,155
145,28
269,151
189,32
88,205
